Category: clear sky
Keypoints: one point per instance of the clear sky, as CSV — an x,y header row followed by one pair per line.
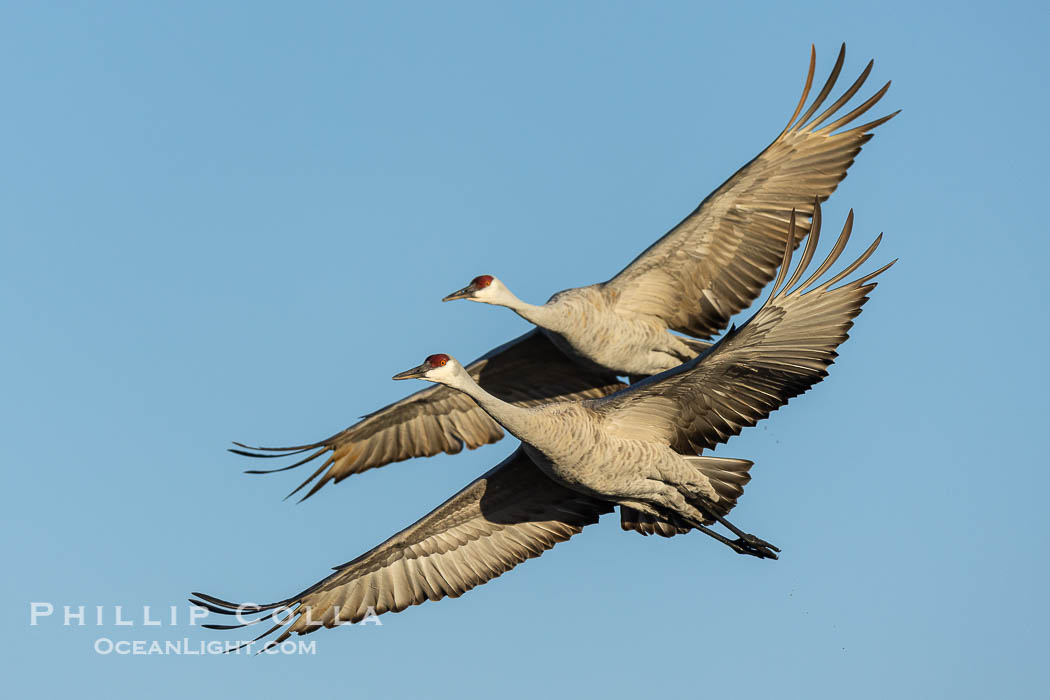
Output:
x,y
236,222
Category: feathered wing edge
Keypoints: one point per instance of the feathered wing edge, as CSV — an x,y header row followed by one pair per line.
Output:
x,y
829,84
805,366
780,352
509,515
792,288
438,419
759,197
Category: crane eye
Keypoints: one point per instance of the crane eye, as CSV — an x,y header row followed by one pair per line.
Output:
x,y
482,281
439,360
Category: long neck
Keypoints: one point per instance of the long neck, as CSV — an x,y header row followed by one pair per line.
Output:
x,y
543,316
521,422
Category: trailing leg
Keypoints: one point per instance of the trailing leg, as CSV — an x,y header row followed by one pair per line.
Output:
x,y
700,511
747,543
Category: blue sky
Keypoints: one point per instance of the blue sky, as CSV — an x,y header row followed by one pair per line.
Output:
x,y
237,222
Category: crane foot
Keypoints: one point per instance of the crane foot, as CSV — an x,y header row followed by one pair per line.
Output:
x,y
755,547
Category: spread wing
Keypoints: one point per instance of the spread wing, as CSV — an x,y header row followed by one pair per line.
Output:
x,y
780,352
526,371
716,261
512,513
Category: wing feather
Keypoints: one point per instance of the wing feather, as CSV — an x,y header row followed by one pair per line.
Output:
x,y
780,352
510,514
526,371
717,260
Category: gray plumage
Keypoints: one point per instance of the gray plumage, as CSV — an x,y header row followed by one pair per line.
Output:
x,y
707,268
438,419
638,447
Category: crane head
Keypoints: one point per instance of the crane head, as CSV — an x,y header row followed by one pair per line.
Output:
x,y
439,368
484,288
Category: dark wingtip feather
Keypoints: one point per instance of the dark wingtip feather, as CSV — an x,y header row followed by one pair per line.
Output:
x,y
805,89
291,448
309,458
253,608
246,451
846,119
316,487
872,124
232,627
873,275
328,462
211,608
829,85
844,98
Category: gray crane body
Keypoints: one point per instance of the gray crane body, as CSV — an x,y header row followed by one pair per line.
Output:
x,y
586,325
578,448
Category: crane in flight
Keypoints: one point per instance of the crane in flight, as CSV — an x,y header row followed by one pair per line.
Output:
x,y
693,280
639,447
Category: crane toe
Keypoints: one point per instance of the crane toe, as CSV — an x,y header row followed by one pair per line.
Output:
x,y
755,546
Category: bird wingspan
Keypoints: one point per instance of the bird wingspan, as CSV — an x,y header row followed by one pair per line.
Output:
x,y
527,371
510,514
780,352
717,260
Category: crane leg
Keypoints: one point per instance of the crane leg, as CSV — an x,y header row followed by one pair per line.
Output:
x,y
698,510
745,543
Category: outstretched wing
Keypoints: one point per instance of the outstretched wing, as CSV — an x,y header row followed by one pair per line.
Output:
x,y
779,353
512,513
527,371
716,262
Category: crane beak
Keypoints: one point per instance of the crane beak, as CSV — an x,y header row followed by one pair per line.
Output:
x,y
414,373
464,293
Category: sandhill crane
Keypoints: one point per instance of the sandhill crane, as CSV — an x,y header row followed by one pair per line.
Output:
x,y
639,447
709,267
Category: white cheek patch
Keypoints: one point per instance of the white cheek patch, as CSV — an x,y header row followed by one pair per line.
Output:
x,y
438,373
490,294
